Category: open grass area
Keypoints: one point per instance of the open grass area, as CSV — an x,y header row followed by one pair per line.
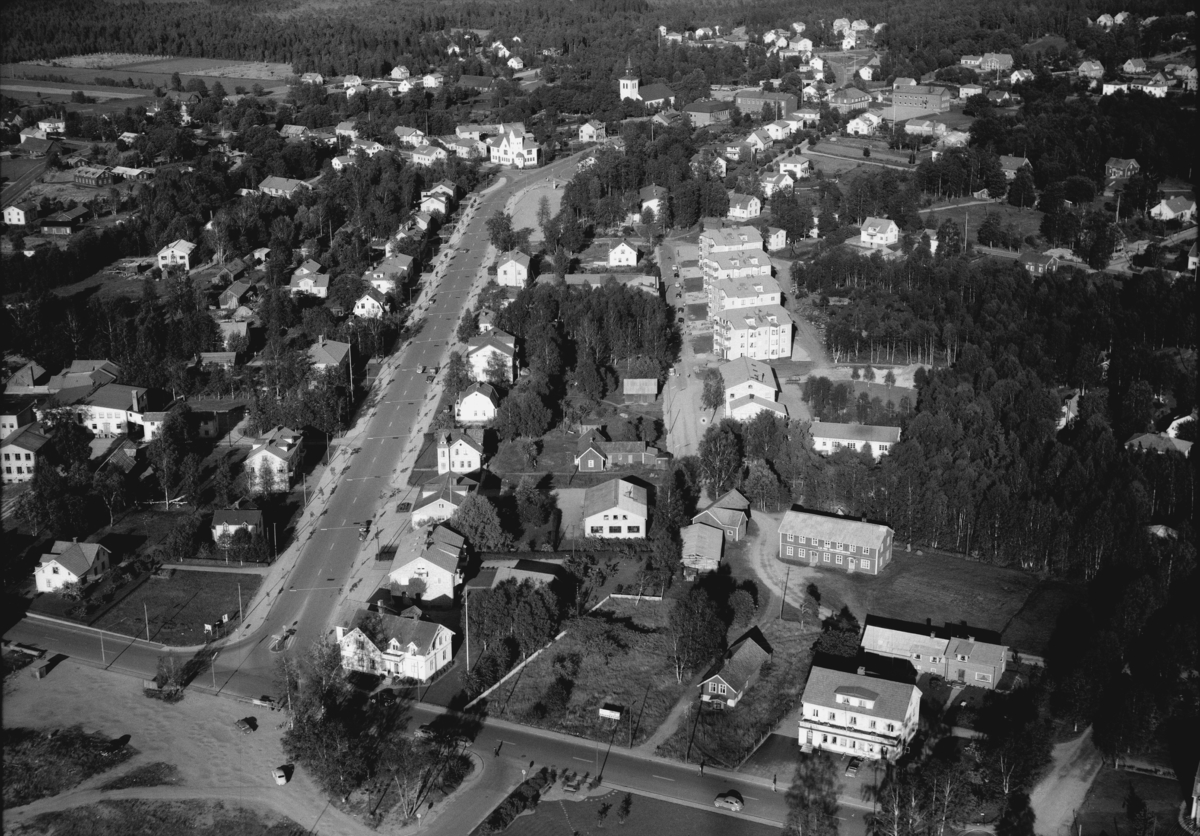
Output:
x,y
728,737
564,688
179,607
1026,221
1029,629
646,815
179,818
1104,806
944,589
39,763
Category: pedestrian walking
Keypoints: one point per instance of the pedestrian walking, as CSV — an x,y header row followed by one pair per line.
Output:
x,y
701,767
775,783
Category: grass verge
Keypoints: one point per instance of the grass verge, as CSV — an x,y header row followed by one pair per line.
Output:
x,y
179,608
179,818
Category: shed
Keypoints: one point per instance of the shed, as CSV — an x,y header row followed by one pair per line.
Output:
x,y
640,389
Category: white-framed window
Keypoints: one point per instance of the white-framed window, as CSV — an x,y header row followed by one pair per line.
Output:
x,y
853,549
719,688
789,550
839,560
983,677
960,657
825,557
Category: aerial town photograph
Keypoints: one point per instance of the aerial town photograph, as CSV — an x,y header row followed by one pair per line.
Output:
x,y
543,418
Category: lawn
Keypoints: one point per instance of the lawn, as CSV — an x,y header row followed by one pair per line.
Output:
x,y
646,815
1027,221
179,818
945,589
1104,807
1029,629
728,737
564,687
179,607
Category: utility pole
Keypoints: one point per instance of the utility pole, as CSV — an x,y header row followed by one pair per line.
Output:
x,y
240,616
146,613
787,576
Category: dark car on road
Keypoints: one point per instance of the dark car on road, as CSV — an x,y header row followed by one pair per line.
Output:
x,y
852,769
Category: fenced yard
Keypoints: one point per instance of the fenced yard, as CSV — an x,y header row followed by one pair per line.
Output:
x,y
564,688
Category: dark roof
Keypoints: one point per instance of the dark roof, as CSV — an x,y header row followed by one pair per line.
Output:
x,y
403,630
238,517
27,438
947,631
742,661
654,92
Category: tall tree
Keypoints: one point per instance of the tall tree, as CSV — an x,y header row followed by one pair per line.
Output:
x,y
476,520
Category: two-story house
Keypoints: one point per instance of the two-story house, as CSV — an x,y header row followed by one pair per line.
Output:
x,y
878,233
857,715
1038,264
459,452
371,305
592,131
616,509
955,652
622,254
241,517
653,198
385,644
328,354
729,512
744,207
477,404
1119,167
177,253
273,460
833,542
750,388
493,350
432,573
115,409
71,563
726,682
20,452
829,437
512,270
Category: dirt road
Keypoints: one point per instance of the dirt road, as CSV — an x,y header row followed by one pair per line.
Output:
x,y
1057,796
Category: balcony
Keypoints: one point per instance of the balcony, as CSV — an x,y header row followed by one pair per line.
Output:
x,y
872,735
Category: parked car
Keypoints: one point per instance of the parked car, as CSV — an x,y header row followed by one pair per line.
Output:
x,y
729,801
424,732
852,769
245,725
280,775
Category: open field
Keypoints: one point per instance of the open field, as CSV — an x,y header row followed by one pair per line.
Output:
x,y
180,818
154,74
945,589
97,60
179,607
564,687
1027,221
646,815
524,214
1030,627
50,88
1105,803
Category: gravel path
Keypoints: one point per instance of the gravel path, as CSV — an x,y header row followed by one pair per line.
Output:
x,y
1057,796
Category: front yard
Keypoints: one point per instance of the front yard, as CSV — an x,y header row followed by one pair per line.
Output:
x,y
729,736
564,688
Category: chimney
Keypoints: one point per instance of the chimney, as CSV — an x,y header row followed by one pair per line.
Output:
x,y
862,671
137,401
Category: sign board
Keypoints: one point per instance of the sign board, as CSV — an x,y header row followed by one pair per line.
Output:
x,y
608,711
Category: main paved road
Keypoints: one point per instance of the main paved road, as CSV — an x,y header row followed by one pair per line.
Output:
x,y
314,586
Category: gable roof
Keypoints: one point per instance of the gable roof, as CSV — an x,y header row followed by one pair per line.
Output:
x,y
744,370
877,225
615,493
485,389
328,352
640,386
31,374
1159,442
76,558
516,257
891,699
742,660
238,517
497,339
405,631
701,543
27,438
452,437
835,529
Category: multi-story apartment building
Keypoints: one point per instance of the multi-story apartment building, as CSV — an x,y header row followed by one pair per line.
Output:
x,y
858,715
760,333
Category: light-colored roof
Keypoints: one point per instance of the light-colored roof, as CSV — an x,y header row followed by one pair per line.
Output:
x,y
835,529
328,352
449,438
179,245
1159,442
516,256
702,545
745,400
877,225
855,432
896,637
615,493
281,442
891,699
496,339
639,386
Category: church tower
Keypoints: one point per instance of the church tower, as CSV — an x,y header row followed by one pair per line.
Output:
x,y
629,83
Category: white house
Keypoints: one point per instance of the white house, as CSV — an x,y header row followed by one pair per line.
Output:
x,y
1176,209
273,459
114,409
795,166
592,131
71,563
879,233
830,437
516,63
434,564
427,155
616,509
512,270
178,252
458,452
779,130
476,404
371,305
440,499
622,254
383,276
409,136
228,521
865,124
400,73
495,344
346,130
328,354
857,715
432,203
20,214
744,207
516,148
404,648
750,388
776,182
776,238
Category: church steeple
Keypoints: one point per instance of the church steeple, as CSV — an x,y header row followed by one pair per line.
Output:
x,y
629,82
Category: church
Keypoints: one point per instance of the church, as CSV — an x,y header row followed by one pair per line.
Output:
x,y
651,95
